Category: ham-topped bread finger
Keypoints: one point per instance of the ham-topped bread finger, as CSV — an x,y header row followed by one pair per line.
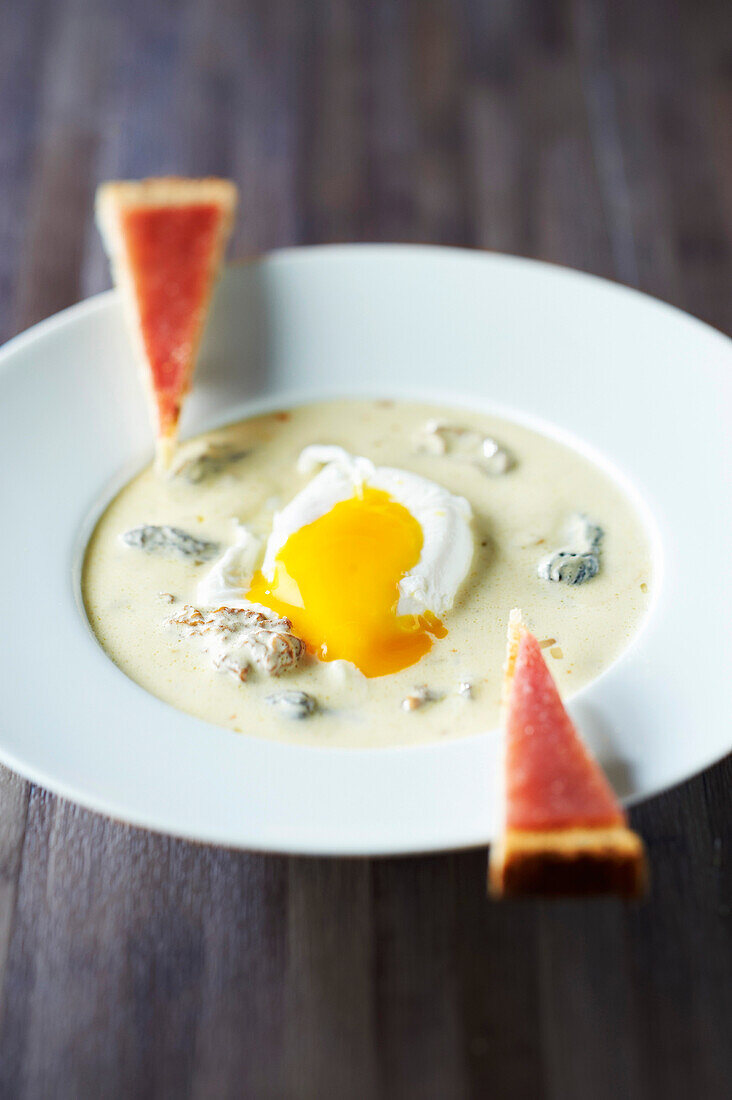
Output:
x,y
166,239
564,831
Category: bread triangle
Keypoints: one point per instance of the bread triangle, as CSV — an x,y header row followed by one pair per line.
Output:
x,y
564,831
166,239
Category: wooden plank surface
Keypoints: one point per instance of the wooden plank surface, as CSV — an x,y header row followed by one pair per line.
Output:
x,y
596,133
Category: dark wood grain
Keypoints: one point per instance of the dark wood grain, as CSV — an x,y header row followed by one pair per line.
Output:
x,y
596,133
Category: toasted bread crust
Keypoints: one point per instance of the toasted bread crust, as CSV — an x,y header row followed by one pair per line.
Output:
x,y
166,191
568,862
516,631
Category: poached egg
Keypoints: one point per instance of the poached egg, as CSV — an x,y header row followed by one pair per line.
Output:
x,y
364,560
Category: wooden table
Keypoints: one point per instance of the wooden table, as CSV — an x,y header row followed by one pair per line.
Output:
x,y
593,134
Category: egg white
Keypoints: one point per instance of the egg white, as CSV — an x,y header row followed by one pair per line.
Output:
x,y
447,548
231,574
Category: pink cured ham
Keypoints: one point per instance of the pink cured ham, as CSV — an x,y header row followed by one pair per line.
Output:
x,y
551,779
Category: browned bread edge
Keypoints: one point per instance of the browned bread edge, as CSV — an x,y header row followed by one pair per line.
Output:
x,y
568,863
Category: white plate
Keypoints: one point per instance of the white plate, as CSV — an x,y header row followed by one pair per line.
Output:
x,y
646,387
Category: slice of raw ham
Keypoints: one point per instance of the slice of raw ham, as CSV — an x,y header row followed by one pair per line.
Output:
x,y
166,238
564,831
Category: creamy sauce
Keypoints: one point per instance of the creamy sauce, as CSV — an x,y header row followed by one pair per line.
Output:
x,y
519,516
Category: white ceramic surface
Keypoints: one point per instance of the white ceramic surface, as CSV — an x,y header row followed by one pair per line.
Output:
x,y
646,389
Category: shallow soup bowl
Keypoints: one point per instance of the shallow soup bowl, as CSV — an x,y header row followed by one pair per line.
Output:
x,y
642,389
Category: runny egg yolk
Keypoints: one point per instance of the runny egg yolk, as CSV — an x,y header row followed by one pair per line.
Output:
x,y
337,580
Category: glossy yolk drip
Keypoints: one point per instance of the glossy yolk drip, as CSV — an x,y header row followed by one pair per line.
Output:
x,y
337,580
